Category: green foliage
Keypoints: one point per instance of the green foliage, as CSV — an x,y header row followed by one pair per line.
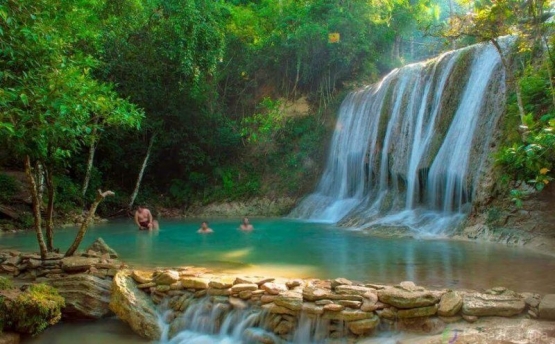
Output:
x,y
5,283
9,187
33,310
528,155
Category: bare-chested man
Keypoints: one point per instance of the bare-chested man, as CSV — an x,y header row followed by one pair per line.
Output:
x,y
204,229
143,219
246,225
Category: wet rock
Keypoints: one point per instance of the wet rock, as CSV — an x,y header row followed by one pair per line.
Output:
x,y
290,300
142,277
389,313
284,327
219,292
273,288
332,307
244,280
410,286
364,326
450,304
167,277
134,307
402,298
245,294
348,315
162,288
314,294
146,285
350,304
323,302
353,290
267,298
275,309
194,282
256,335
312,308
86,296
547,307
294,283
265,280
237,303
77,264
340,281
221,283
505,305
101,247
417,312
237,288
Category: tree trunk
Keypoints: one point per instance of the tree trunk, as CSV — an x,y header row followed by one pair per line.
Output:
x,y
39,179
92,151
49,209
85,224
141,173
36,206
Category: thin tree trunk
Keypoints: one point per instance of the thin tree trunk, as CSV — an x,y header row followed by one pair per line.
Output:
x,y
85,224
141,172
39,178
92,151
36,207
49,209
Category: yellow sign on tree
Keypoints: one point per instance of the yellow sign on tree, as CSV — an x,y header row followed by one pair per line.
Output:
x,y
334,37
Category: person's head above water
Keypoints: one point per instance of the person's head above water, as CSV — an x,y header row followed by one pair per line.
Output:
x,y
245,220
204,224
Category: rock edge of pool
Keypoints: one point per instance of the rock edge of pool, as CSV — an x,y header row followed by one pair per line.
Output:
x,y
156,303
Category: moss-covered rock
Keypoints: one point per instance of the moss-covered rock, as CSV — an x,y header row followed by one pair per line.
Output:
x,y
32,311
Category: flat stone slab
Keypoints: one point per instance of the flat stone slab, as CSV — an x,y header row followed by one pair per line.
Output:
x,y
78,264
479,304
547,307
402,298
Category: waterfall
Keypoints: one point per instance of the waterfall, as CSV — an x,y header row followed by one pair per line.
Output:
x,y
409,151
206,321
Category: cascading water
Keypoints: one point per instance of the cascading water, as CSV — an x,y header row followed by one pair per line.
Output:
x,y
208,322
410,150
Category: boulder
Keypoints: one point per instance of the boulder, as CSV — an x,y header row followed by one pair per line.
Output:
x,y
547,307
76,264
101,247
167,277
504,305
86,296
402,298
273,288
340,281
353,290
364,326
221,283
134,307
194,282
290,300
311,308
237,288
142,277
348,315
450,304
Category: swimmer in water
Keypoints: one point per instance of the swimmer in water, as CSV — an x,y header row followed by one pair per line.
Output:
x,y
245,225
204,229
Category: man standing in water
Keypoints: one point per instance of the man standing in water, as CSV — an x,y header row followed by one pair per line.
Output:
x,y
144,220
204,229
246,226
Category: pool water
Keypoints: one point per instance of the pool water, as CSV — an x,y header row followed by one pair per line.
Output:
x,y
290,248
